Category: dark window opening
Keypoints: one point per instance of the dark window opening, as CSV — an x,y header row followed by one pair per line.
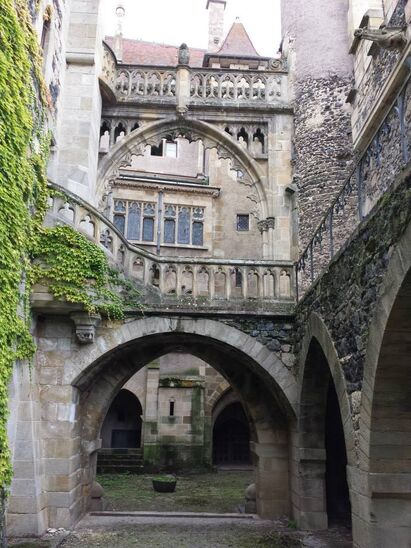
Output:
x,y
157,150
259,137
242,136
238,278
172,404
120,131
243,223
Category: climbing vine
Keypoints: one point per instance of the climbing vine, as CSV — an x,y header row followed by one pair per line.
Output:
x,y
77,271
74,268
23,147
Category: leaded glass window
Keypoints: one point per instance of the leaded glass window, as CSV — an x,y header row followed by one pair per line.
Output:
x,y
134,221
170,224
119,222
184,226
148,222
198,236
243,223
148,229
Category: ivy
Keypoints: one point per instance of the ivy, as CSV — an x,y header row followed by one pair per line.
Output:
x,y
77,271
23,147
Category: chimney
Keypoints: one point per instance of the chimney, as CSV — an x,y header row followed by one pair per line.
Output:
x,y
215,24
118,39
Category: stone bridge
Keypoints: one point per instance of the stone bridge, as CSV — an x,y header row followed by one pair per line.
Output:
x,y
350,330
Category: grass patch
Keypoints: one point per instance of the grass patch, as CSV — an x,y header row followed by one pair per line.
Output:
x,y
218,492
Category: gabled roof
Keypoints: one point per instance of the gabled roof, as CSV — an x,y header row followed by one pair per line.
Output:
x,y
237,43
138,52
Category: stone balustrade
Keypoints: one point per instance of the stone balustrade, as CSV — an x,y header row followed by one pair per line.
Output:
x,y
252,86
171,278
183,85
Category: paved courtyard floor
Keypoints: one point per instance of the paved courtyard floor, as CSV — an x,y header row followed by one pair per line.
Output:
x,y
171,532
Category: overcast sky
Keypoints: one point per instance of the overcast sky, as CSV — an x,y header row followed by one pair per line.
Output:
x,y
177,21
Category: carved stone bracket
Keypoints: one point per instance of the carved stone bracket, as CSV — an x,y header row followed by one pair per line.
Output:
x,y
390,38
266,224
85,325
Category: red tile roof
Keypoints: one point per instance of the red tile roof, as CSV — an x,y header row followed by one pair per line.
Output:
x,y
138,52
237,43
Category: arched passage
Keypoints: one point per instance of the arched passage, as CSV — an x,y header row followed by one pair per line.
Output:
x,y
231,436
121,428
325,437
385,423
265,386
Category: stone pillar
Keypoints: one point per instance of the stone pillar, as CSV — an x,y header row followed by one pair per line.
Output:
x,y
183,88
150,435
26,510
78,136
272,481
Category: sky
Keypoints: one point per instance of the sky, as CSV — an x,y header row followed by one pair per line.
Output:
x,y
177,21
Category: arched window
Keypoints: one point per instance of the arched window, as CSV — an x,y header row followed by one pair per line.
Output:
x,y
119,218
148,222
170,224
134,221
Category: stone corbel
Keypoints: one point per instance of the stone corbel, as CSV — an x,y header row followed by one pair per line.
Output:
x,y
266,224
85,325
389,38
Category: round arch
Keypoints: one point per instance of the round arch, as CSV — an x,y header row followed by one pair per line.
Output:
x,y
322,395
385,419
266,387
194,130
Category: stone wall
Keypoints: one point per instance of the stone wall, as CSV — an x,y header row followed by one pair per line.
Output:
x,y
348,291
322,119
372,68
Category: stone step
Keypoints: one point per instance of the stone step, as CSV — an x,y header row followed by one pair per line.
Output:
x,y
122,456
119,469
136,451
118,463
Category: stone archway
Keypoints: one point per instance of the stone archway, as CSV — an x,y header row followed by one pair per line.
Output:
x,y
91,376
384,478
323,398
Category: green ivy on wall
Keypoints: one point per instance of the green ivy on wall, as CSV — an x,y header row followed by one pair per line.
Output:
x,y
23,147
77,271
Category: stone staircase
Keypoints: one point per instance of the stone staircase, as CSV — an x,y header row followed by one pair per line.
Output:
x,y
120,461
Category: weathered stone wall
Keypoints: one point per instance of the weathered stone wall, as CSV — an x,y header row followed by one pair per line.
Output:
x,y
372,68
321,72
323,151
347,293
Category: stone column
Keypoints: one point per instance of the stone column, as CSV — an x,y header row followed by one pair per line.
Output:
x,y
151,413
273,500
26,510
183,88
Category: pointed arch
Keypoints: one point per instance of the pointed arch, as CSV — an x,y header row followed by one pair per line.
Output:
x,y
194,130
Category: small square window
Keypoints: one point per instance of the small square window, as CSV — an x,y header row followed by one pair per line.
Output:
x,y
243,223
171,150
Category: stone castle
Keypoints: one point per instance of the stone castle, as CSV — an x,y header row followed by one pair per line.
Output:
x,y
262,207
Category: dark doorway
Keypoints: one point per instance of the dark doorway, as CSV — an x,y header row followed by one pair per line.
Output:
x,y
122,425
231,436
338,498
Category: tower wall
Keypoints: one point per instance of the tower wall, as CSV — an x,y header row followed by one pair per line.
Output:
x,y
316,42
